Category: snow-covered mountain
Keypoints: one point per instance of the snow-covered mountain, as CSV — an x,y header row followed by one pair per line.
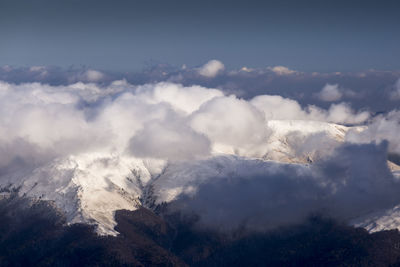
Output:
x,y
90,187
95,149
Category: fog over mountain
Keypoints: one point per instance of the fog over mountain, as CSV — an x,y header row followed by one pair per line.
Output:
x,y
95,145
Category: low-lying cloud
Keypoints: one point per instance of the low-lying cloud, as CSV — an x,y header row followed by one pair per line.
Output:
x,y
277,107
353,181
381,128
81,116
218,151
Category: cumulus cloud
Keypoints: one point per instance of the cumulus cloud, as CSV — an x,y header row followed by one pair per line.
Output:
x,y
330,93
343,113
120,115
282,70
234,125
230,124
211,68
199,133
45,119
170,139
187,99
382,128
277,107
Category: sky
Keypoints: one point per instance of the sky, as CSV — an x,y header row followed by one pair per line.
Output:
x,y
122,35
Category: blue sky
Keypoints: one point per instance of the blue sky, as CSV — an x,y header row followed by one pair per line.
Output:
x,y
122,35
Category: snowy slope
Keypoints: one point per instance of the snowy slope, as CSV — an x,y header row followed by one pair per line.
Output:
x,y
87,187
90,187
300,141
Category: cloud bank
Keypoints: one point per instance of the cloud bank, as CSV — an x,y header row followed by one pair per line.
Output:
x,y
205,149
124,117
265,195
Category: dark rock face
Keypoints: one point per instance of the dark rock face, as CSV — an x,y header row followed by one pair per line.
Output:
x,y
34,234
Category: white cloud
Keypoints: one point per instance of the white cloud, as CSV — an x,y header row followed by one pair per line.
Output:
x,y
330,93
276,107
282,70
187,99
233,125
383,127
211,68
343,113
41,125
246,69
119,112
279,108
171,139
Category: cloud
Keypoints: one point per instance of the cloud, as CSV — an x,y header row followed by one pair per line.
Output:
x,y
45,119
170,139
87,116
198,140
371,91
395,94
281,70
330,93
381,128
187,99
343,113
211,68
55,75
279,108
315,145
93,75
263,195
233,125
276,107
